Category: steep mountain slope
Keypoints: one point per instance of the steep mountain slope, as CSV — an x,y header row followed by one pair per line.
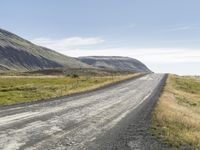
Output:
x,y
19,54
115,63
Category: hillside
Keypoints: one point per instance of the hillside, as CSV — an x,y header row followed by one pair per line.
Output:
x,y
115,63
18,54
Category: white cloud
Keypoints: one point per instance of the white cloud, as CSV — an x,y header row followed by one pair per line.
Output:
x,y
67,43
74,46
133,25
173,60
148,55
181,28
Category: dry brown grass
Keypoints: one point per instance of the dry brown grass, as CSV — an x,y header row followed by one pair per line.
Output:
x,y
176,119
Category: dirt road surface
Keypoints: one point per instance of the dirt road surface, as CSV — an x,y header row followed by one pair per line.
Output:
x,y
115,117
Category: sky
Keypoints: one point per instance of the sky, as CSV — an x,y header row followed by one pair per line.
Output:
x,y
165,35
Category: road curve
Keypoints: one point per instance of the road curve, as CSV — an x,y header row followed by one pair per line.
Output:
x,y
85,121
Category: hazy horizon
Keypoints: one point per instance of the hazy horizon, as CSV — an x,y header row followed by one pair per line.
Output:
x,y
165,35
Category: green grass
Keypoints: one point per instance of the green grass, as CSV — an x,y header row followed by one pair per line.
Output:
x,y
187,84
20,89
21,42
176,119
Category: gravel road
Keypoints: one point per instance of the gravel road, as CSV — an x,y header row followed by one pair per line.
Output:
x,y
115,117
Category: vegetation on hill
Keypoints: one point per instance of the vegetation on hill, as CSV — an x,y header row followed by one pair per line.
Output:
x,y
116,63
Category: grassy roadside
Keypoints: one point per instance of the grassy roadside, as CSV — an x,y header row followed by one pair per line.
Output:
x,y
176,118
20,89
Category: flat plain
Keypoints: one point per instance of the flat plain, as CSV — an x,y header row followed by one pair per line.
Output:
x,y
20,89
